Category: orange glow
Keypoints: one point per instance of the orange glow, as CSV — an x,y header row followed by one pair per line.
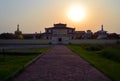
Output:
x,y
76,13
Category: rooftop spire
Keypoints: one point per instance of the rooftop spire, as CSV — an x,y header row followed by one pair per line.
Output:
x,y
17,27
102,27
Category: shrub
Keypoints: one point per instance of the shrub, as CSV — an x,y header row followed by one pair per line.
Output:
x,y
112,54
93,47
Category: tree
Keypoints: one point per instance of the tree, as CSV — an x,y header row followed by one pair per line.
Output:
x,y
7,36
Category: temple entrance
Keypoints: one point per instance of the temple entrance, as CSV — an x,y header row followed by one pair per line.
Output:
x,y
59,39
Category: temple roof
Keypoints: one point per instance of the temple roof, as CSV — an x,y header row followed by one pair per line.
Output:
x,y
60,26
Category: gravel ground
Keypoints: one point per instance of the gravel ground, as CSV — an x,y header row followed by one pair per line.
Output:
x,y
61,64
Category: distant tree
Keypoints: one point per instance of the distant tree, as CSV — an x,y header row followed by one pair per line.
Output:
x,y
113,36
7,36
95,35
28,36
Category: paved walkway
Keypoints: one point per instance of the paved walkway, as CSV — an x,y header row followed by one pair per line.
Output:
x,y
61,64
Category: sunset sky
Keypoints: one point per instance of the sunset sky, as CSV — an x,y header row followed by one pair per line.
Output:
x,y
35,15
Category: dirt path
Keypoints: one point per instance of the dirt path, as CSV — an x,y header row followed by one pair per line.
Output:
x,y
60,64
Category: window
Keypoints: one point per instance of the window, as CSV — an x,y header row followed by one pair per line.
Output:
x,y
70,31
49,31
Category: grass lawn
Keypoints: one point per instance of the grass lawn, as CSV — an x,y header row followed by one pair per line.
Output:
x,y
11,63
104,57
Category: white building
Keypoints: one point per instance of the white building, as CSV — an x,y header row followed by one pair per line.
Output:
x,y
88,34
59,34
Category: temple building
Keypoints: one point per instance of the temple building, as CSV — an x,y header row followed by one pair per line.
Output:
x,y
18,33
88,34
102,34
59,34
79,34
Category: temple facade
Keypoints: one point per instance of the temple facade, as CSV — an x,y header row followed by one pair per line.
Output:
x,y
59,33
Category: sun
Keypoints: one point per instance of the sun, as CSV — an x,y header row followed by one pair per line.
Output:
x,y
76,13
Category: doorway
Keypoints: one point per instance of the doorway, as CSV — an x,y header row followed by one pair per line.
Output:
x,y
59,39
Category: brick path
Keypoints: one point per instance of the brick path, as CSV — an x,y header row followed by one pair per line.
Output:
x,y
60,64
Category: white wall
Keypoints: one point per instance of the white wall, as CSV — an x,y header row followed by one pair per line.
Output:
x,y
24,41
93,41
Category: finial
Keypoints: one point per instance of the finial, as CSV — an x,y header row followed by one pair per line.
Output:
x,y
17,27
102,27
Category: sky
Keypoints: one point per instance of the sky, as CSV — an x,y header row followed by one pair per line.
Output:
x,y
35,15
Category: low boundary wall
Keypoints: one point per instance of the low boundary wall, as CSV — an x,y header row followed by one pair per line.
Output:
x,y
42,42
24,42
94,41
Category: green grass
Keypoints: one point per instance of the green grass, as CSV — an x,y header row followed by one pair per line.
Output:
x,y
110,53
97,58
11,63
